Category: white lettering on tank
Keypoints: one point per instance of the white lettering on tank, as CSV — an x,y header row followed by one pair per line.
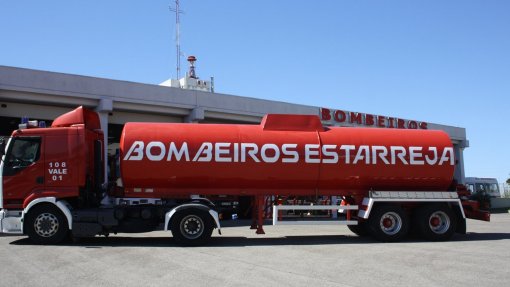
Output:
x,y
383,153
329,150
312,150
236,152
401,154
221,149
447,156
414,154
347,149
286,151
137,148
360,156
270,159
204,153
178,154
252,153
149,151
432,161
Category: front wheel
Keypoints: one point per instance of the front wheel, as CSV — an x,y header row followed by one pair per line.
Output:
x,y
388,223
46,224
192,227
436,222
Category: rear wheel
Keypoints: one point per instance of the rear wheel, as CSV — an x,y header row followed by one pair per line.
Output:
x,y
192,227
46,224
436,222
388,223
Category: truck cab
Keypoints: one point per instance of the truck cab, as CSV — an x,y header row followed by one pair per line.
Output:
x,y
62,162
56,161
52,185
482,185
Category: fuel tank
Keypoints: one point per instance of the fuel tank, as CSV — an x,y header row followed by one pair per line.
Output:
x,y
285,154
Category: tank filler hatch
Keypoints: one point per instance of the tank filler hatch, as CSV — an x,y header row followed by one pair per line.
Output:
x,y
282,122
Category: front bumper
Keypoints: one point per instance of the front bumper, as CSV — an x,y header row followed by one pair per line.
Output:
x,y
11,222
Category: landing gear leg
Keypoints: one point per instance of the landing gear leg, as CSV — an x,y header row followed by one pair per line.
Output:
x,y
254,210
260,214
257,215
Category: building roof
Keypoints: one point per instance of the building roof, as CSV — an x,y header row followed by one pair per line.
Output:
x,y
20,85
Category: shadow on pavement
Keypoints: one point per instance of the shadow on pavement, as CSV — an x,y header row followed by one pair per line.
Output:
x,y
474,236
231,241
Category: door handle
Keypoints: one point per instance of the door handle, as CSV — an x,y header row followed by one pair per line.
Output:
x,y
39,180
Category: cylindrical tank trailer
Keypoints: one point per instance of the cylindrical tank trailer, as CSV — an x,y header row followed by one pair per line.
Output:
x,y
284,155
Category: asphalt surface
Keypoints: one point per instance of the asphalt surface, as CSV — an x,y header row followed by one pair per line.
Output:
x,y
285,256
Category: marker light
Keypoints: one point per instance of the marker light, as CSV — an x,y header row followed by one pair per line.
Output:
x,y
33,124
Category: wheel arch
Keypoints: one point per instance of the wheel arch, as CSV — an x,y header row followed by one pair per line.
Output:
x,y
170,214
368,204
62,205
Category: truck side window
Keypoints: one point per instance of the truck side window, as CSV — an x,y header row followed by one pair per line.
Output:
x,y
22,153
480,187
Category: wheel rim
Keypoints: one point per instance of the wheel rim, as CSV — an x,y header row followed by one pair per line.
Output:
x,y
390,223
46,225
192,226
439,222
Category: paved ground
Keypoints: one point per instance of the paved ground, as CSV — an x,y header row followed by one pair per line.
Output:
x,y
285,256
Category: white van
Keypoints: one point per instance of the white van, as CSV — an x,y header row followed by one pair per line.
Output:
x,y
481,184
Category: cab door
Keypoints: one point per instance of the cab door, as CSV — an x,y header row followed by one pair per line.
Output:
x,y
23,171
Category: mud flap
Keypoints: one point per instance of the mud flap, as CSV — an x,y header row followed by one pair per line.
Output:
x,y
461,225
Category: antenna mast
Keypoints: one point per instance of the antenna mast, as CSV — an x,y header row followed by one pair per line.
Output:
x,y
177,36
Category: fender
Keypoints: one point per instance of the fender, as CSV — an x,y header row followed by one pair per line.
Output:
x,y
368,203
213,213
61,204
61,193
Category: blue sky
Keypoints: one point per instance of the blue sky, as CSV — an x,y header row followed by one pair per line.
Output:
x,y
444,62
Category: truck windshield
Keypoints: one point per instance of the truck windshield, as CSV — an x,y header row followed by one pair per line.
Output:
x,y
22,153
493,188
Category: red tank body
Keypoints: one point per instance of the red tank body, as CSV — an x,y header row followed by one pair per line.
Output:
x,y
284,155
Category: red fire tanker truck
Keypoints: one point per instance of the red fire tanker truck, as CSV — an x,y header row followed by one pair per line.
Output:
x,y
390,180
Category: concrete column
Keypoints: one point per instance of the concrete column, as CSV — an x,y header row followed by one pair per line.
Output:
x,y
197,114
105,107
459,161
459,166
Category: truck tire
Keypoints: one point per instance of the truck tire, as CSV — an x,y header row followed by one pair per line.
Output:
x,y
192,227
388,223
46,224
436,222
360,229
